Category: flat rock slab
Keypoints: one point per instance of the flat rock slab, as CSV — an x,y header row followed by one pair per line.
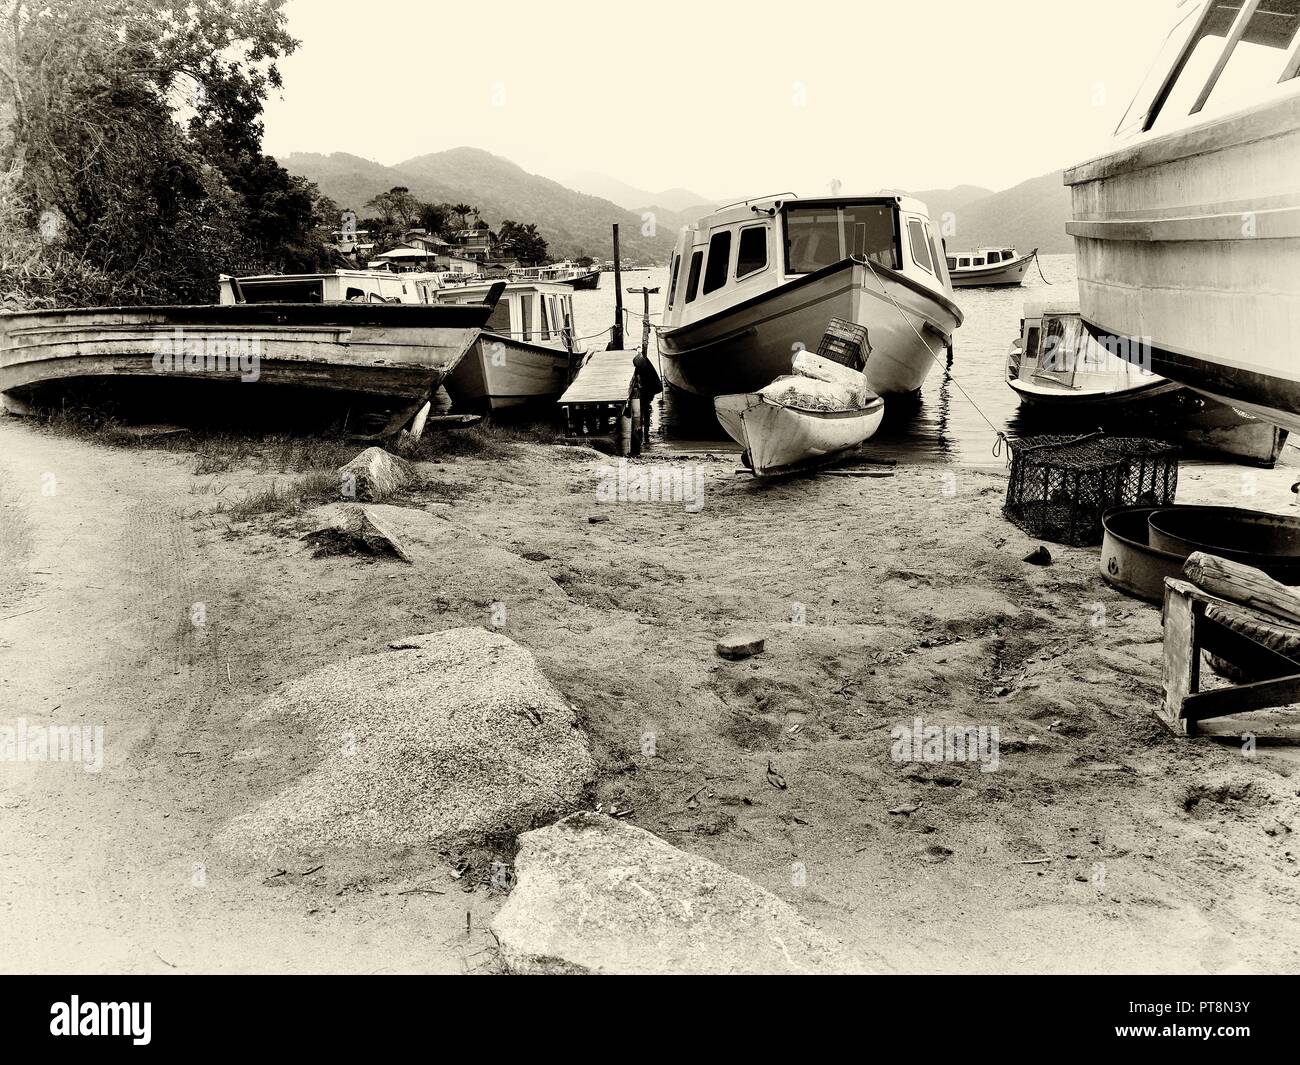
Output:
x,y
442,740
597,895
374,475
741,645
351,529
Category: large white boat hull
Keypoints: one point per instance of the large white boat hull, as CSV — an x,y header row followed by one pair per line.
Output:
x,y
1190,242
749,345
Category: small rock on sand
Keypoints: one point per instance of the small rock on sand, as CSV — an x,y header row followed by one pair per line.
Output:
x,y
374,475
454,737
596,895
741,645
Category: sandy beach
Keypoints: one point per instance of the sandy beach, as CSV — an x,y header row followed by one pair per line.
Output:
x,y
1099,842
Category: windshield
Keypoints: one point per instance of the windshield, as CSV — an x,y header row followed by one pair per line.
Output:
x,y
817,237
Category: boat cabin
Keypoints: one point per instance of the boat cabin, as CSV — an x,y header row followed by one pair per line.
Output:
x,y
1222,56
341,286
1055,351
529,312
746,249
984,257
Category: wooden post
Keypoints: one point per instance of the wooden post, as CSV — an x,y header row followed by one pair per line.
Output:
x,y
616,334
645,294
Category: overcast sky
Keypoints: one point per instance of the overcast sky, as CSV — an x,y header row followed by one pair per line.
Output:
x,y
726,99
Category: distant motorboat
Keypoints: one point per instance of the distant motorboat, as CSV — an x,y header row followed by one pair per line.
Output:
x,y
565,272
988,267
1063,374
1187,233
756,281
800,419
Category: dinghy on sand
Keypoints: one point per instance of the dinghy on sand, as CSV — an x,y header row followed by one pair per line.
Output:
x,y
798,420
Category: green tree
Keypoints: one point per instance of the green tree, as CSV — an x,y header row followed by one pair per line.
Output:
x,y
136,126
521,241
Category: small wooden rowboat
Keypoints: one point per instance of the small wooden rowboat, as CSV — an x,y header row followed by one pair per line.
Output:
x,y
796,422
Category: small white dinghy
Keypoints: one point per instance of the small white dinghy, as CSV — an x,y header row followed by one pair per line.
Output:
x,y
797,420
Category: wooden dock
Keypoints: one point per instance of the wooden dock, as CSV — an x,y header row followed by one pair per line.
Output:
x,y
603,404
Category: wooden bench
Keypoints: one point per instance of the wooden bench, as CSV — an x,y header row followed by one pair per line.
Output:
x,y
1243,617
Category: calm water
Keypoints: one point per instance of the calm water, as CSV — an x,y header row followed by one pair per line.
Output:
x,y
947,424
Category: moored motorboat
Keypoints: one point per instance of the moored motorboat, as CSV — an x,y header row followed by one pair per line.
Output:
x,y
565,272
988,267
798,420
758,280
1063,373
527,350
1187,234
376,362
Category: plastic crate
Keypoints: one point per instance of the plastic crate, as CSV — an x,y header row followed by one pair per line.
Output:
x,y
1060,486
846,343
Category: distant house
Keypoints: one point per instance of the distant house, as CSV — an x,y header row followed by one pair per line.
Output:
x,y
476,243
426,257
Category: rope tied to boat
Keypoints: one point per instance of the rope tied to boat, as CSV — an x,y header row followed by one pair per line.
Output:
x,y
1040,268
947,372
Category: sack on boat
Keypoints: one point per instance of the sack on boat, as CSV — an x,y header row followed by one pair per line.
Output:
x,y
811,394
808,364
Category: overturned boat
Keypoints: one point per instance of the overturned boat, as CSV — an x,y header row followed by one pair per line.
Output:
x,y
372,364
800,420
1187,233
1064,375
757,281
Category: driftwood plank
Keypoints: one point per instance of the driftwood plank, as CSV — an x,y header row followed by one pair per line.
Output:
x,y
1243,584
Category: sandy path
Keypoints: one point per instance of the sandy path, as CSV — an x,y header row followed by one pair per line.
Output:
x,y
101,871
1164,855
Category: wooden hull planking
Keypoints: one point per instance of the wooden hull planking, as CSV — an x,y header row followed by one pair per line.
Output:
x,y
778,438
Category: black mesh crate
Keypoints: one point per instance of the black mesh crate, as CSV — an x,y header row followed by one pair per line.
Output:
x,y
1061,485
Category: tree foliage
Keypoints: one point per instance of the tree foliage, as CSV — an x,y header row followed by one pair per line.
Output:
x,y
130,149
521,241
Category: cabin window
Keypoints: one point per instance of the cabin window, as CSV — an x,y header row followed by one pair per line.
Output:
x,y
818,237
1256,60
1182,88
354,294
920,246
952,262
1146,101
977,261
693,278
995,257
499,320
965,262
672,283
526,316
715,274
751,255
934,250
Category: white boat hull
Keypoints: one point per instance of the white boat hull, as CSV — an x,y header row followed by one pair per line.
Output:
x,y
502,373
1000,274
1191,242
749,345
778,438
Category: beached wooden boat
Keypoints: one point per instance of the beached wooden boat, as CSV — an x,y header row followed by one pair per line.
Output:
x,y
1062,374
526,352
757,280
380,361
988,268
798,420
1187,234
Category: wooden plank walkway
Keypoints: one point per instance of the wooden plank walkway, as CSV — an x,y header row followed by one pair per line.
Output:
x,y
607,377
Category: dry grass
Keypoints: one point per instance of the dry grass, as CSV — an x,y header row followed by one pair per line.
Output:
x,y
299,494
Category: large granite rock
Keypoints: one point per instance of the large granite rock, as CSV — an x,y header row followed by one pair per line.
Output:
x,y
442,740
597,895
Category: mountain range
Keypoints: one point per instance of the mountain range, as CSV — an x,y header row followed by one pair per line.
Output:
x,y
576,220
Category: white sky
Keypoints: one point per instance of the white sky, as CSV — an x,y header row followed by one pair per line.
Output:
x,y
726,99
